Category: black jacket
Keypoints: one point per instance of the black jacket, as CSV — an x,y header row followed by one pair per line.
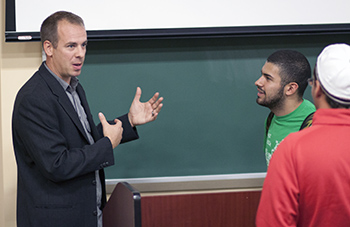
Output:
x,y
56,165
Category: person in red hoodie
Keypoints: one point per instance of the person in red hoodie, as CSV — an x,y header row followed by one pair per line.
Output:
x,y
308,180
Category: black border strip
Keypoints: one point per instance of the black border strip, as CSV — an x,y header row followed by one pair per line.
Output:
x,y
196,32
10,24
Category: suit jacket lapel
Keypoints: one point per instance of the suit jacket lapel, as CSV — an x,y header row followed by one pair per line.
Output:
x,y
62,98
94,132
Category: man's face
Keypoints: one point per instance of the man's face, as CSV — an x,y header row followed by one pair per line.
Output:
x,y
68,57
270,91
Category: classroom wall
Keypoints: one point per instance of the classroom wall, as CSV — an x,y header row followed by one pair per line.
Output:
x,y
18,61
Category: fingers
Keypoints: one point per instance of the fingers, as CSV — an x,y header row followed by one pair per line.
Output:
x,y
157,110
156,104
137,94
153,100
102,118
114,132
143,112
156,107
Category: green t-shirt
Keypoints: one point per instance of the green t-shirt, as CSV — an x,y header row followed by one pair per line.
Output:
x,y
282,126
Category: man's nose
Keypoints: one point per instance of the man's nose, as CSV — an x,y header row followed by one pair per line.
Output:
x,y
258,82
80,52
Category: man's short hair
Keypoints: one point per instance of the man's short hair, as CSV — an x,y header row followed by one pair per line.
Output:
x,y
293,66
48,30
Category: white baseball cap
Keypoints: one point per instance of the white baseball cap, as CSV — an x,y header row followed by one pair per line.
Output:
x,y
333,72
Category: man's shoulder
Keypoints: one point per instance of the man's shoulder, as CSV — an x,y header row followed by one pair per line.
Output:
x,y
33,85
39,82
35,88
304,110
308,105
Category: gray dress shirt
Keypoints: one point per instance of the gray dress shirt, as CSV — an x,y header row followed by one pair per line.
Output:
x,y
75,100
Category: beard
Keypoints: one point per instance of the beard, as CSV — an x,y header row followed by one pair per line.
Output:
x,y
274,102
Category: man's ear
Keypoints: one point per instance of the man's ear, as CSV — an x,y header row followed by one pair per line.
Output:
x,y
48,48
291,88
317,89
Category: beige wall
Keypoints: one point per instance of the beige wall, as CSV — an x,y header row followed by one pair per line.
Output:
x,y
18,61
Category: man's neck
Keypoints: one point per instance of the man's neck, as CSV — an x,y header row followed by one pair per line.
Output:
x,y
288,107
51,67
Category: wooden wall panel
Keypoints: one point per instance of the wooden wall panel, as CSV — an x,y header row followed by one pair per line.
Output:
x,y
201,210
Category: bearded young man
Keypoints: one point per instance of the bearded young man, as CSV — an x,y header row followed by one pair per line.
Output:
x,y
281,88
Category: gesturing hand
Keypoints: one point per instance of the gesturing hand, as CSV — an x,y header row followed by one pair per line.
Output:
x,y
142,113
113,132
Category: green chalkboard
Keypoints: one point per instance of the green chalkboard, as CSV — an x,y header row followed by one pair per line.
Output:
x,y
210,123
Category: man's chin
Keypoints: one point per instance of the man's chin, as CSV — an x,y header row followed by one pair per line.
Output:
x,y
76,73
260,102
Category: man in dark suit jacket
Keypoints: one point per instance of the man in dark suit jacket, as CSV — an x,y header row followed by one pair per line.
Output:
x,y
60,153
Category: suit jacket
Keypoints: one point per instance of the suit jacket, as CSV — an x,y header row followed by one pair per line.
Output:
x,y
56,164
